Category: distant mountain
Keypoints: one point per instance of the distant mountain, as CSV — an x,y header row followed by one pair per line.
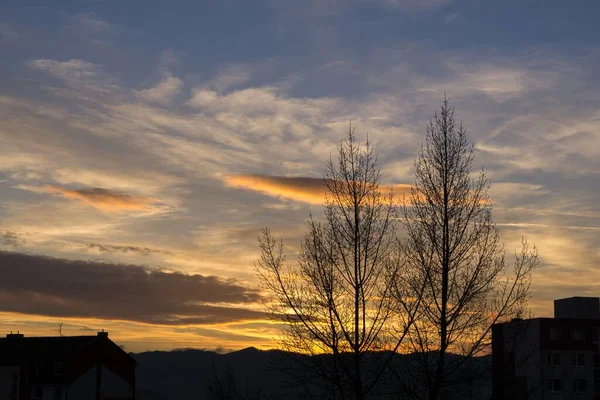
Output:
x,y
187,374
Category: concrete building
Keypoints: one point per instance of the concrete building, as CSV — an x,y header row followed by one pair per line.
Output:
x,y
65,368
549,358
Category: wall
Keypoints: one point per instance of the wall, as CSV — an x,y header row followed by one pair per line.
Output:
x,y
84,387
114,387
6,376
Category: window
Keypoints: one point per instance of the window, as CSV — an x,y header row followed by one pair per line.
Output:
x,y
554,334
596,360
38,368
579,385
596,386
578,359
555,385
58,393
59,368
14,387
595,335
38,393
578,334
553,359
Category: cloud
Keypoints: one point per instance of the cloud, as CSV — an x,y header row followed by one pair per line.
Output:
x,y
73,68
100,198
148,182
327,8
231,77
76,73
526,110
110,248
163,92
39,285
91,23
92,29
497,81
11,239
303,189
452,17
410,5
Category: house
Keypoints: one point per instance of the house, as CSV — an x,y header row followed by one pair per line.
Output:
x,y
65,368
549,358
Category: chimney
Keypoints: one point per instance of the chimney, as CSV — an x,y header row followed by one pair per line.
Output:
x,y
14,335
103,334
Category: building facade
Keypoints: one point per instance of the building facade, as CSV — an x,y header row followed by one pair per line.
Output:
x,y
65,368
549,358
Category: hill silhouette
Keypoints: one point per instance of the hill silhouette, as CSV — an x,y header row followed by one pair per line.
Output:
x,y
186,374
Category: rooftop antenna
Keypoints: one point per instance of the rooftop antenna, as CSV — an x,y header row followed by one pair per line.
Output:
x,y
60,329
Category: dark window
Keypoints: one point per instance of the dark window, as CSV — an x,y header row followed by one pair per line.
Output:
x,y
595,334
555,385
554,334
38,393
578,334
14,387
596,385
579,385
553,359
38,368
597,360
59,368
578,359
58,393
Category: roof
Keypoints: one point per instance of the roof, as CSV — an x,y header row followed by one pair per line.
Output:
x,y
43,347
19,348
566,321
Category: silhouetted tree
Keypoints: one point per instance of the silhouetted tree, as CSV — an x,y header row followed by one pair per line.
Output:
x,y
452,248
225,386
335,304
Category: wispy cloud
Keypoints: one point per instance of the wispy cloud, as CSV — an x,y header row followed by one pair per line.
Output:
x,y
493,80
91,22
410,5
11,239
111,248
100,198
76,73
450,17
303,189
163,92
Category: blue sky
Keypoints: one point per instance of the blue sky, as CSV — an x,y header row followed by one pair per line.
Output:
x,y
155,134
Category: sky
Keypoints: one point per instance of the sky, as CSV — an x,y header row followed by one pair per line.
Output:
x,y
144,144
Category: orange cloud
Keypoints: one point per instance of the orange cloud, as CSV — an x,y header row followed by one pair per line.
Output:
x,y
103,199
303,189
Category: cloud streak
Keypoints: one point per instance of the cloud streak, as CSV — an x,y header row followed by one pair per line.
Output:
x,y
103,199
57,287
111,248
302,189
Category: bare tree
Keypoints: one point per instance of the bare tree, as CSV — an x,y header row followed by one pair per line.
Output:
x,y
453,249
335,303
225,386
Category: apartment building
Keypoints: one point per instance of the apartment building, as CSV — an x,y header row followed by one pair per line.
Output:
x,y
549,358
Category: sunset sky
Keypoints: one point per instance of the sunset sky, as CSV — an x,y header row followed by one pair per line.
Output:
x,y
143,144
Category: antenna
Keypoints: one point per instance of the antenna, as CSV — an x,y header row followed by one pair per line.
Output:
x,y
60,329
